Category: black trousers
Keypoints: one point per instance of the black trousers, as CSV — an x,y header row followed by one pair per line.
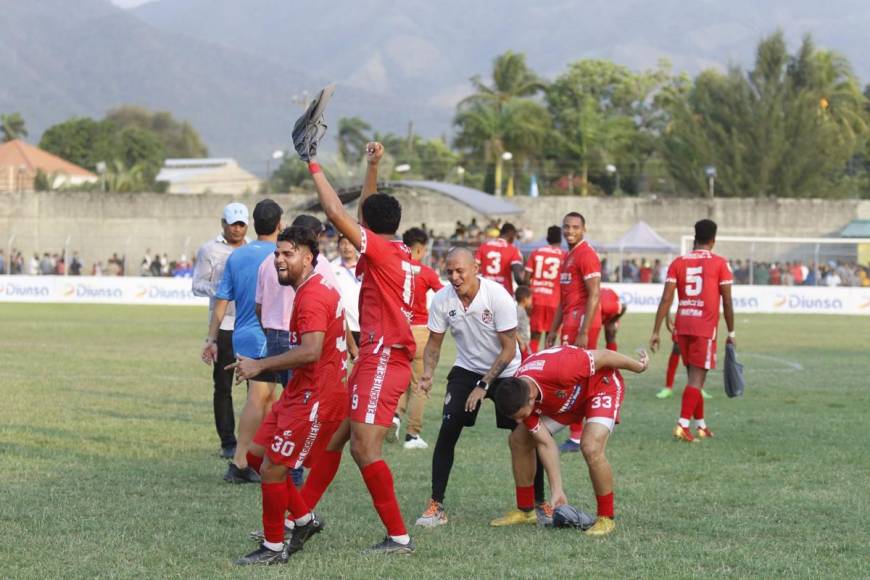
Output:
x,y
460,383
224,417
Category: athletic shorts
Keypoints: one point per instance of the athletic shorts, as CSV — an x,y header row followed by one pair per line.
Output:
x,y
697,351
542,317
602,405
376,383
570,328
327,430
278,342
290,430
460,383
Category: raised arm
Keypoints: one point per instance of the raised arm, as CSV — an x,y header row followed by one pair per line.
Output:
x,y
374,153
661,313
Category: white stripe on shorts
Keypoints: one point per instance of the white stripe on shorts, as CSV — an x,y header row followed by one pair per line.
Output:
x,y
377,385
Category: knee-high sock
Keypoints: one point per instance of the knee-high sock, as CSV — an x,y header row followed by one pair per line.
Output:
x,y
525,498
576,432
673,362
691,396
699,407
379,480
605,505
274,506
612,345
297,506
320,477
254,462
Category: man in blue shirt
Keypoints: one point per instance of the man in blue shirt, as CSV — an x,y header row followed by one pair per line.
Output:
x,y
239,284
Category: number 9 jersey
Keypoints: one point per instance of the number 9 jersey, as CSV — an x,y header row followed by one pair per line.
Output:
x,y
698,276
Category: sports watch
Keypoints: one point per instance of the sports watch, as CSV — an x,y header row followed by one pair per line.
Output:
x,y
482,385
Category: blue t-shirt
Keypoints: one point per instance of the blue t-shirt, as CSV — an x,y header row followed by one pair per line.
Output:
x,y
239,283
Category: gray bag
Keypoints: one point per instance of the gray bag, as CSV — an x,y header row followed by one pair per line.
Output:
x,y
734,383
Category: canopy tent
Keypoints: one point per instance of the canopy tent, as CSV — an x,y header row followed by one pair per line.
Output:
x,y
640,239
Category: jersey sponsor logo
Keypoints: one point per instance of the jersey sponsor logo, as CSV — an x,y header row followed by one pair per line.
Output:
x,y
565,278
534,365
486,317
575,394
797,302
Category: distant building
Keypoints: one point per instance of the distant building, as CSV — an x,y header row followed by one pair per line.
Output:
x,y
193,176
20,163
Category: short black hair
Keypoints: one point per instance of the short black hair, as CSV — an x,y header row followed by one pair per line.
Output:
x,y
415,236
522,292
267,216
705,231
554,235
382,213
511,396
508,229
576,215
309,221
301,237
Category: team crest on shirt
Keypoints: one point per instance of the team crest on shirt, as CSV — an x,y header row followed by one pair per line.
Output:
x,y
306,397
605,380
486,317
452,314
560,394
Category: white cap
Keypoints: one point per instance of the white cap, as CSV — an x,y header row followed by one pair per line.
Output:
x,y
236,212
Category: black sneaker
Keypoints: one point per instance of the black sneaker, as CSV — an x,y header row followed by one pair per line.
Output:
x,y
236,475
259,537
391,546
263,556
302,534
228,452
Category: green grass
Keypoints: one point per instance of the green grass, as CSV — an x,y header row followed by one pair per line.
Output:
x,y
108,465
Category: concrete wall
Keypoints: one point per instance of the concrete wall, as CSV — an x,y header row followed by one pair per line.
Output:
x,y
100,224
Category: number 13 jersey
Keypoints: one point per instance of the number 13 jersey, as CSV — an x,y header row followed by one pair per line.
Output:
x,y
699,275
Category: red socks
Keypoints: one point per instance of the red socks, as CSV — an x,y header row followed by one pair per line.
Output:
x,y
274,506
526,498
576,432
253,461
611,346
379,480
533,346
673,362
699,407
320,476
605,505
691,399
295,504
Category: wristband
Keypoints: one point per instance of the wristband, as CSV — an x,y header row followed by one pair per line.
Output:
x,y
732,334
314,167
482,385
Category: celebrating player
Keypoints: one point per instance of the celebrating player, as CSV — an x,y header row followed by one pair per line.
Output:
x,y
500,260
542,275
579,313
557,387
701,280
289,432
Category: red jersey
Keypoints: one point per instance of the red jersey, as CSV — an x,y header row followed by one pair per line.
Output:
x,y
317,308
543,266
386,293
698,276
610,305
496,258
425,279
581,264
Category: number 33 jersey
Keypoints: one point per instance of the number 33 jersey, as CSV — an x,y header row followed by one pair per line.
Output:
x,y
698,275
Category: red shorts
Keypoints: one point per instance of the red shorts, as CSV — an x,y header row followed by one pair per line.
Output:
x,y
376,383
542,317
327,430
697,351
606,394
570,328
290,430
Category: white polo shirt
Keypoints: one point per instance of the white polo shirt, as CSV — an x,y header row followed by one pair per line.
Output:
x,y
476,330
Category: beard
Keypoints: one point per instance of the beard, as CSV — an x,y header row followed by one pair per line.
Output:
x,y
284,278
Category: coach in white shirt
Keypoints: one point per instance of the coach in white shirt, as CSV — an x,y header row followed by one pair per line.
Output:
x,y
482,318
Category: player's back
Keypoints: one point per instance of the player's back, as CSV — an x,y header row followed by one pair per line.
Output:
x,y
425,279
496,258
698,276
239,283
610,305
543,267
560,374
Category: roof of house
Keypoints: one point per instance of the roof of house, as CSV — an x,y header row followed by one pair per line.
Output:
x,y
17,153
175,170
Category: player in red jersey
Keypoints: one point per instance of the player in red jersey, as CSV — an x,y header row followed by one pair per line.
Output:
x,y
612,310
542,276
500,260
383,370
701,280
579,313
556,387
288,435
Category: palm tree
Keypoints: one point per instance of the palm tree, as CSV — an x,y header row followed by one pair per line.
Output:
x,y
511,78
12,126
352,139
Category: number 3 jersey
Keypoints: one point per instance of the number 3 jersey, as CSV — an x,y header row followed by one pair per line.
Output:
x,y
543,267
496,258
698,275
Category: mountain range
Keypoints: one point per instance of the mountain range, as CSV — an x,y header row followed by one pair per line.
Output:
x,y
238,70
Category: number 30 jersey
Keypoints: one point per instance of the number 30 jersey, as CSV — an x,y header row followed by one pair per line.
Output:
x,y
699,275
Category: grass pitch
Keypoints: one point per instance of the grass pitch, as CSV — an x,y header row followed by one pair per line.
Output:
x,y
108,465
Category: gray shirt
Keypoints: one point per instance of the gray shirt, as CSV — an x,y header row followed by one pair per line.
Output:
x,y
211,258
524,329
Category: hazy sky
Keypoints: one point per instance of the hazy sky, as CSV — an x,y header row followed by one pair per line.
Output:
x,y
129,3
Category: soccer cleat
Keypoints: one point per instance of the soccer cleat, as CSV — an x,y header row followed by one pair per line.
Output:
x,y
393,431
569,446
259,537
302,534
683,434
263,556
707,396
228,452
309,128
391,546
236,475
601,527
704,433
414,442
434,515
544,514
665,393
515,518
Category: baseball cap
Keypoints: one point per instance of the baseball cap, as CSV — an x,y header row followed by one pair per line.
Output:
x,y
236,212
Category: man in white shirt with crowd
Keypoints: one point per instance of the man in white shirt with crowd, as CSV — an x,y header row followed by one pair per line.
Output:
x,y
344,267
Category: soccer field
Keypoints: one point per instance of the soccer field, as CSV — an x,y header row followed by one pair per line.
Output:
x,y
109,467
